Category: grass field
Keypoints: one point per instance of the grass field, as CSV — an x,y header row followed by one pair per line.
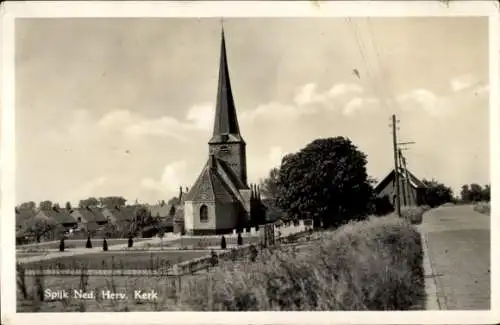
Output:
x,y
200,243
117,260
78,243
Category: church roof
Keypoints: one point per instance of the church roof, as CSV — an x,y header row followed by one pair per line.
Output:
x,y
226,127
216,182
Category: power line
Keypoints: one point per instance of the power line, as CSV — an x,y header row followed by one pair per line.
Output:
x,y
364,57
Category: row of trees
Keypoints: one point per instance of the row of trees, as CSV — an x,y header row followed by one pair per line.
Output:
x,y
475,193
327,181
92,202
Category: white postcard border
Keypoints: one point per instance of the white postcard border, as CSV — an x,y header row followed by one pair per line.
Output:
x,y
11,11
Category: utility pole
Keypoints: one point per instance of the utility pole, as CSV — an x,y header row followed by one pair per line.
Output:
x,y
404,188
396,167
408,194
407,187
403,159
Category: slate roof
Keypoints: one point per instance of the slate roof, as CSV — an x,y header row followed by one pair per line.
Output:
x,y
125,213
24,215
89,214
413,180
99,217
216,182
60,216
159,210
226,122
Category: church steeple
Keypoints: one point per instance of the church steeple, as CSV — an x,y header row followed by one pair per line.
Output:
x,y
226,143
226,121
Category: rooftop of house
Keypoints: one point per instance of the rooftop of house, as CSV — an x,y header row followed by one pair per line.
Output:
x,y
413,180
60,216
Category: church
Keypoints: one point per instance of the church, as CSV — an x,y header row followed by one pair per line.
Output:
x,y
220,199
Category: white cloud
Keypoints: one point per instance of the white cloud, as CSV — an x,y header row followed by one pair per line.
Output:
x,y
116,119
337,96
132,124
202,115
174,175
275,156
426,100
87,189
163,126
307,94
342,89
276,110
358,104
462,82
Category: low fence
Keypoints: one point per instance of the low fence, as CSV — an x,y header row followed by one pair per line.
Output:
x,y
183,268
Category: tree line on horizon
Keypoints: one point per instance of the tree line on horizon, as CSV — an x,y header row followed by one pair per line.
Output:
x,y
91,202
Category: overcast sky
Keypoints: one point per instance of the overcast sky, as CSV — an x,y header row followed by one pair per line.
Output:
x,y
125,106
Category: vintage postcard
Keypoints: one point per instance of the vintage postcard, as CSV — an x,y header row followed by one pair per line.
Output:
x,y
190,158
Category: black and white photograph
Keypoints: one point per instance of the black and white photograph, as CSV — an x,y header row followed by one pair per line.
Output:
x,y
206,161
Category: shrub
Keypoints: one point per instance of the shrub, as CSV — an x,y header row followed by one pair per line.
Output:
x,y
483,207
130,241
105,245
223,243
369,265
240,239
413,214
61,245
89,243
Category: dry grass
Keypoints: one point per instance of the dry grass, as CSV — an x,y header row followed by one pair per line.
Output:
x,y
414,214
483,207
370,265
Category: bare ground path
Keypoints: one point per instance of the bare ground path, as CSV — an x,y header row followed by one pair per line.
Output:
x,y
457,258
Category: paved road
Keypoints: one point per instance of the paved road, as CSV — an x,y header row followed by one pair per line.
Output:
x,y
458,258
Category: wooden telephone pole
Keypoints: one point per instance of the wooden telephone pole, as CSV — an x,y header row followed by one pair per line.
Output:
x,y
396,165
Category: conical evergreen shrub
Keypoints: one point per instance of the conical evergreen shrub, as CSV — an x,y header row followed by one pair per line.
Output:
x,y
61,245
223,242
89,243
105,245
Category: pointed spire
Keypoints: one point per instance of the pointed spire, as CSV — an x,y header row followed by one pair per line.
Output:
x,y
226,121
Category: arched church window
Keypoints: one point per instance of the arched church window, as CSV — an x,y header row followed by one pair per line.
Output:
x,y
203,213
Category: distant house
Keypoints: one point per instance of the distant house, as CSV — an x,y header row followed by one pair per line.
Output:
x,y
411,189
23,216
166,213
88,218
120,214
59,216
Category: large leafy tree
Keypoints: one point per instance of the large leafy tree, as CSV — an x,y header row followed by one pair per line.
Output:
x,y
326,181
437,193
112,201
475,192
28,205
90,202
40,228
45,205
269,186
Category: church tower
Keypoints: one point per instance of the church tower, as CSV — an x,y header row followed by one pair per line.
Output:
x,y
220,199
226,142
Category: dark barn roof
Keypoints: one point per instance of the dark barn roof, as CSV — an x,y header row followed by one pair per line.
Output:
x,y
413,180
